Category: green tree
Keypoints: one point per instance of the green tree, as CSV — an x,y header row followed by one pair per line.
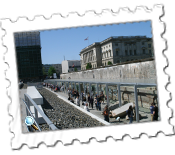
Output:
x,y
51,71
75,69
109,63
44,72
88,66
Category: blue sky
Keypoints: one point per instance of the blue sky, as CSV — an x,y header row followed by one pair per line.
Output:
x,y
69,42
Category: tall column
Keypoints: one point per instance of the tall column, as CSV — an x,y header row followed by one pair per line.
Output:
x,y
107,95
97,89
119,95
79,90
90,89
67,85
136,103
71,86
84,89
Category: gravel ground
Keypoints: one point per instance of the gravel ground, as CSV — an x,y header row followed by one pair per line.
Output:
x,y
64,115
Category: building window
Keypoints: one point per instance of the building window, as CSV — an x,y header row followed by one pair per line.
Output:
x,y
109,45
116,44
130,52
106,54
143,43
149,45
143,51
116,53
106,46
126,52
149,51
134,52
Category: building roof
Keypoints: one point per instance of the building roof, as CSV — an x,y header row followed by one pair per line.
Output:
x,y
90,46
111,38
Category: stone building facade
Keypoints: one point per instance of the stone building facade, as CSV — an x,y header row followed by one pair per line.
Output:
x,y
91,54
116,50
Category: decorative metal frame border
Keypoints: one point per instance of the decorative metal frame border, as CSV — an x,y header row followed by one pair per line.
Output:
x,y
159,142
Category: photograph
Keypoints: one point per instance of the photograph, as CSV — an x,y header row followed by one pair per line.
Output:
x,y
84,77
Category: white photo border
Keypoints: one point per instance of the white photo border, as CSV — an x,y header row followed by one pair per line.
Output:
x,y
73,20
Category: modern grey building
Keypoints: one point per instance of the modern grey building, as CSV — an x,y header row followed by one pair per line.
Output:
x,y
28,53
117,49
70,65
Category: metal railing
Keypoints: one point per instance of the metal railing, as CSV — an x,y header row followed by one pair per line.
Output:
x,y
107,83
28,101
27,109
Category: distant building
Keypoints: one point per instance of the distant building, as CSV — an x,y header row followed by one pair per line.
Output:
x,y
28,53
70,65
46,67
116,50
57,67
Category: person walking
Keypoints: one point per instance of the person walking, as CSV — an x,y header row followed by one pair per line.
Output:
x,y
106,113
151,109
99,105
130,114
155,112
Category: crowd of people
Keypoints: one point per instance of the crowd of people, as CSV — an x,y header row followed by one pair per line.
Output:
x,y
89,101
54,88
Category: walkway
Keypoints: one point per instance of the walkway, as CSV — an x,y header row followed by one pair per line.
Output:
x,y
93,111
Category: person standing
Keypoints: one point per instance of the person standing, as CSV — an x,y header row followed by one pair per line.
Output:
x,y
95,101
155,112
82,95
99,105
86,107
75,94
91,102
77,101
98,101
151,109
102,96
130,114
106,113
